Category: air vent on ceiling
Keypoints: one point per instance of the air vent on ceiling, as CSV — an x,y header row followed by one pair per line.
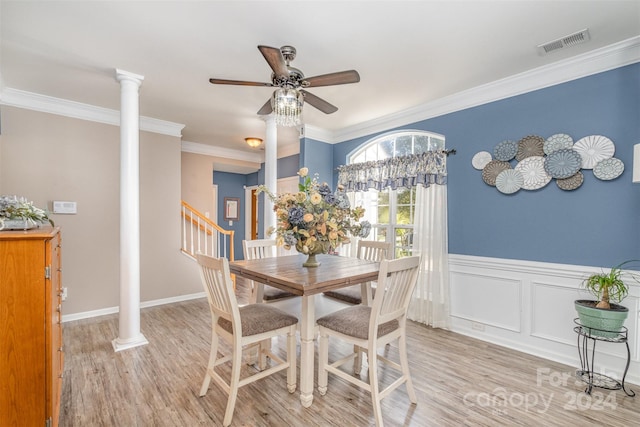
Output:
x,y
564,42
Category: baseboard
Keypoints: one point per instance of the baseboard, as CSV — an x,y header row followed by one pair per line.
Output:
x,y
146,304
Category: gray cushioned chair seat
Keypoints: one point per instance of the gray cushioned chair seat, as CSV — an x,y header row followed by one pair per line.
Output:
x,y
259,318
271,293
354,321
350,294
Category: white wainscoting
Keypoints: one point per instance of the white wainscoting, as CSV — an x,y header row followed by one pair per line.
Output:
x,y
528,306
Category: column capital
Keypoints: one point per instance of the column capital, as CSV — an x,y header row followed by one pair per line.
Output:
x,y
122,75
269,119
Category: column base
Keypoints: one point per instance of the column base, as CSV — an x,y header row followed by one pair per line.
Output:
x,y
120,344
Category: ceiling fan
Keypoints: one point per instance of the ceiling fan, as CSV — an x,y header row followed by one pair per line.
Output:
x,y
285,76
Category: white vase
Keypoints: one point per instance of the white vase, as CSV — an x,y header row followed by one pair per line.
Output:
x,y
18,224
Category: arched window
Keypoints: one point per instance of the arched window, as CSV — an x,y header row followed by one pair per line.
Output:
x,y
391,211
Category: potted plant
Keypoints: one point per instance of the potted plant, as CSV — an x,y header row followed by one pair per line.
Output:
x,y
605,317
16,213
315,220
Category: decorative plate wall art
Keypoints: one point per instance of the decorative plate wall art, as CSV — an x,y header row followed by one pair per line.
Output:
x,y
571,183
492,170
608,169
533,173
509,181
481,159
562,163
557,142
505,151
529,146
532,162
594,148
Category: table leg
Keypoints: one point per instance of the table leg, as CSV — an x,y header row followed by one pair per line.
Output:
x,y
365,292
253,356
307,350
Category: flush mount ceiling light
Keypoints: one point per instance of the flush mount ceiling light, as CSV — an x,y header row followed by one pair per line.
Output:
x,y
253,142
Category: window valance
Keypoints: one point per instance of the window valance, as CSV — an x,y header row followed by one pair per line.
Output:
x,y
396,172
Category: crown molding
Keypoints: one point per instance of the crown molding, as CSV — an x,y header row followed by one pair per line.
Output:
x,y
288,150
597,61
63,107
600,60
214,151
319,134
221,152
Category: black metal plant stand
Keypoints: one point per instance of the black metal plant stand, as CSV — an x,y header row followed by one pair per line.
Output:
x,y
586,374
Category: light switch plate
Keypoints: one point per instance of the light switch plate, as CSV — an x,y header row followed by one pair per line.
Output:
x,y
60,207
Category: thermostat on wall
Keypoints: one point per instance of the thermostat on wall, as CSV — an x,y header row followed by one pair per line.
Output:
x,y
60,207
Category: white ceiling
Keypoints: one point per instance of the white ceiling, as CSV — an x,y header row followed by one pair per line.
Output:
x,y
408,53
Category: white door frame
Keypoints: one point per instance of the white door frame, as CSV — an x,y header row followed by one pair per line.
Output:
x,y
287,185
247,209
214,209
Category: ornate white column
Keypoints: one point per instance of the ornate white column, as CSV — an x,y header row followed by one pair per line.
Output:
x,y
129,334
270,170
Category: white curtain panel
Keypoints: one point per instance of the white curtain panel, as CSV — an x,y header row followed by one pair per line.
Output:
x,y
430,302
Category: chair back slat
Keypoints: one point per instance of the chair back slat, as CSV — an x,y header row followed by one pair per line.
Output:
x,y
373,251
259,248
217,283
396,283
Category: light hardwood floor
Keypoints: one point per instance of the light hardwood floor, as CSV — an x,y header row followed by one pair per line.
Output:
x,y
458,380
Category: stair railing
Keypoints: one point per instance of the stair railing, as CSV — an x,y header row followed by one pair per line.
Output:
x,y
200,234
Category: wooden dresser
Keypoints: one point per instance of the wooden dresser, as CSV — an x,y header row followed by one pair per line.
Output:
x,y
31,354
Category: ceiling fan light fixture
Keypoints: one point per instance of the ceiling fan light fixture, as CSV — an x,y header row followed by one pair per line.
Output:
x,y
287,107
253,142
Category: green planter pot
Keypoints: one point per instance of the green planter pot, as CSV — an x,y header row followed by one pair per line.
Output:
x,y
603,323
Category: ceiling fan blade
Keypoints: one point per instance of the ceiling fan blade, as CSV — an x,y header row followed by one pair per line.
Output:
x,y
339,78
238,82
319,103
266,108
275,60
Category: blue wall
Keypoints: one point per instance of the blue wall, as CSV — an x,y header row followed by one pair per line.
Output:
x,y
287,166
318,157
231,185
598,224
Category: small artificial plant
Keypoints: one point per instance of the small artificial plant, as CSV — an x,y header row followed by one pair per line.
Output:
x,y
13,207
609,287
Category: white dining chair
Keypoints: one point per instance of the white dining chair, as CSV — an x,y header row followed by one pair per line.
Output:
x,y
242,327
372,327
258,249
363,294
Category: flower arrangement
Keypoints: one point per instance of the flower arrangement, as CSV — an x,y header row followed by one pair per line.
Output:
x,y
13,208
315,220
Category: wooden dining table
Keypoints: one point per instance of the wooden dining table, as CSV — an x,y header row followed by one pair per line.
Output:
x,y
288,274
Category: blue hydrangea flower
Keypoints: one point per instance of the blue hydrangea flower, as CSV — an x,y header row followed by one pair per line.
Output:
x,y
365,228
290,239
324,189
330,199
342,201
295,215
